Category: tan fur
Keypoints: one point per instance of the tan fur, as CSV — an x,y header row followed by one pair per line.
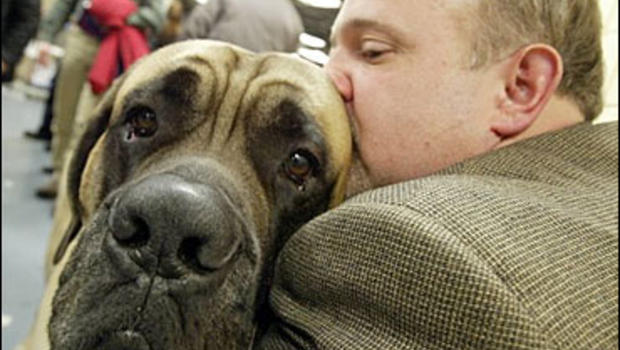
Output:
x,y
316,91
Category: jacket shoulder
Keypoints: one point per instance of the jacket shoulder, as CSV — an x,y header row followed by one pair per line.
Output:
x,y
516,249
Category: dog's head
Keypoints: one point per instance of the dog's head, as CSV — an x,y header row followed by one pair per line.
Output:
x,y
195,168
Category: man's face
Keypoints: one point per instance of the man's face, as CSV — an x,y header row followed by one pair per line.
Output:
x,y
416,107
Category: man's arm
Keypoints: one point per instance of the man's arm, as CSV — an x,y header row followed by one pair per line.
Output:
x,y
24,19
53,22
379,276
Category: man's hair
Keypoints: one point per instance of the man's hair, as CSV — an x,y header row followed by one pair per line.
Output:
x,y
572,27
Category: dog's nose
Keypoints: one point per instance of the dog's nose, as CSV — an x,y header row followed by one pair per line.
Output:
x,y
170,224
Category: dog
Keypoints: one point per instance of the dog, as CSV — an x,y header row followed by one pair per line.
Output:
x,y
195,168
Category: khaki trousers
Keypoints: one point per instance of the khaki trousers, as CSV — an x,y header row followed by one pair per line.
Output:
x,y
80,50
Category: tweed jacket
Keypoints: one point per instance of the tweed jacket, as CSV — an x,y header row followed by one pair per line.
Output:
x,y
516,249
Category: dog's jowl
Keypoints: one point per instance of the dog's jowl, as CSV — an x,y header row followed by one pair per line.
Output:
x,y
196,167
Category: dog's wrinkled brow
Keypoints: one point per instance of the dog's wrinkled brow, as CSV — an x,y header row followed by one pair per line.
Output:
x,y
180,85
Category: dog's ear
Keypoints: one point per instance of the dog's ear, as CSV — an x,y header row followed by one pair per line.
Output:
x,y
339,190
97,124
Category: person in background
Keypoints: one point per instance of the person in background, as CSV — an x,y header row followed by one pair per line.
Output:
x,y
177,11
259,26
81,46
44,131
19,24
492,218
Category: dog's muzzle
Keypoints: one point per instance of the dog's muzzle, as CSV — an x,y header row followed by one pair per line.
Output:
x,y
163,255
125,340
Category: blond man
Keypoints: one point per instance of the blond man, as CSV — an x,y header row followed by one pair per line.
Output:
x,y
493,219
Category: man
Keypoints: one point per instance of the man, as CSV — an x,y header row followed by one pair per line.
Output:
x,y
496,226
82,43
19,24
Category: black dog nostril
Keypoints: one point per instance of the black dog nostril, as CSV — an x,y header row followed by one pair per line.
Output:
x,y
204,256
134,235
189,254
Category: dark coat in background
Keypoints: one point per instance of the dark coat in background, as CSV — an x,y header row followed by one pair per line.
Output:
x,y
20,19
516,249
266,25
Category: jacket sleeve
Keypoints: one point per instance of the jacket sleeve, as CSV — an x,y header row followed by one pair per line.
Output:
x,y
53,22
24,19
151,14
200,21
381,276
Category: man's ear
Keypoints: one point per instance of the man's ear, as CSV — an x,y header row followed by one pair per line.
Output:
x,y
533,73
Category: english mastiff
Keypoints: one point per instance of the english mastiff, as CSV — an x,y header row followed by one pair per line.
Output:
x,y
195,168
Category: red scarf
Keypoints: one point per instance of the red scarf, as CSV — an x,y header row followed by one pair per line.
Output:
x,y
121,45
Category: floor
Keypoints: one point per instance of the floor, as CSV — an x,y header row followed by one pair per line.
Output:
x,y
26,220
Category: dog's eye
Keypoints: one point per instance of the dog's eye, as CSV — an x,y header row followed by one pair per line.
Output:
x,y
300,165
141,122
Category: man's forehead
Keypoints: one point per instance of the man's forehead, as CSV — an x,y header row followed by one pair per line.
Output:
x,y
361,15
395,17
356,24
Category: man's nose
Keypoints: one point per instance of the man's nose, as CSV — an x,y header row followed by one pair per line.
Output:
x,y
341,80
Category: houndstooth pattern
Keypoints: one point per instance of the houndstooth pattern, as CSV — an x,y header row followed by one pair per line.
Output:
x,y
517,249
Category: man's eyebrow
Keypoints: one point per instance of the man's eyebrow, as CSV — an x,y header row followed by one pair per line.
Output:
x,y
363,23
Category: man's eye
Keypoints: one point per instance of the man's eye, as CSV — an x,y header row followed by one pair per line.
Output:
x,y
371,54
372,50
140,122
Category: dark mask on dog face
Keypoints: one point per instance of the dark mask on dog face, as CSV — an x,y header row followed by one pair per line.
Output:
x,y
196,167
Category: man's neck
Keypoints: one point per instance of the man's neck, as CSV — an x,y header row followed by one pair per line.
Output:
x,y
559,113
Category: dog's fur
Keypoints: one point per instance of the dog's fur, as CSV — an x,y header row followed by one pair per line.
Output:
x,y
228,123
